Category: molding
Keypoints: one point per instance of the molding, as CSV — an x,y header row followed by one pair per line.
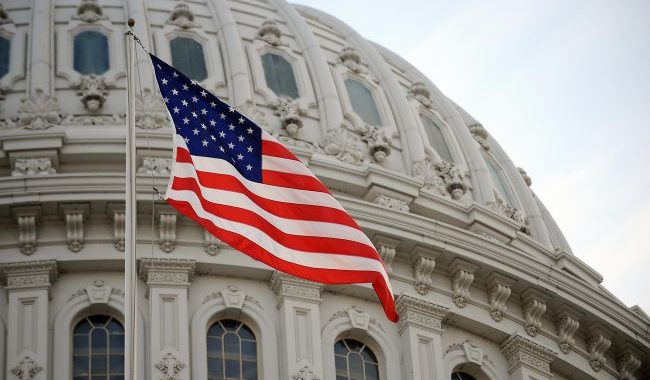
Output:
x,y
290,287
415,311
119,225
212,243
166,272
520,351
462,277
28,274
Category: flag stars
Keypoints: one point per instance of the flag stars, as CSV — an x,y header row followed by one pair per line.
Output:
x,y
196,131
194,114
241,120
204,126
213,123
175,74
204,142
204,111
250,149
213,104
186,121
176,109
222,150
174,91
184,102
231,145
203,93
164,81
230,109
240,157
187,141
222,116
166,99
213,138
231,127
222,134
249,167
185,87
249,130
195,99
240,138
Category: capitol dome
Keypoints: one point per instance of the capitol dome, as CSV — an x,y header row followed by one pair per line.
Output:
x,y
485,282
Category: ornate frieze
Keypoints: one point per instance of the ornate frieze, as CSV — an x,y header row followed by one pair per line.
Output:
x,y
305,373
150,111
27,218
85,120
498,293
520,351
628,364
287,286
525,176
29,274
420,313
290,115
74,225
167,231
182,16
344,146
566,325
423,273
359,319
27,369
212,244
32,166
442,177
157,166
462,277
502,207
89,11
386,246
270,33
421,93
480,134
170,366
166,272
391,203
599,340
92,91
351,59
534,307
473,353
39,111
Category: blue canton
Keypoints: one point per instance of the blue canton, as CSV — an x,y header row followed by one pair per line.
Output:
x,y
210,127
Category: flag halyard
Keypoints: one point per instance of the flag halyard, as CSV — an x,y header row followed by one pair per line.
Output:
x,y
251,192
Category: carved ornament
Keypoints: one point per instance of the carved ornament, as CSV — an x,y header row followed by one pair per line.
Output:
x,y
305,373
599,341
351,59
421,93
521,351
270,33
462,277
442,177
290,115
27,218
498,293
391,203
166,271
92,91
525,176
170,366
167,231
566,325
27,369
423,273
32,166
534,307
29,274
89,11
150,111
418,312
344,146
156,166
39,111
212,244
287,286
182,16
628,364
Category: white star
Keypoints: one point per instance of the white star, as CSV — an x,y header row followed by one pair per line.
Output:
x,y
203,93
213,104
241,120
195,99
194,114
212,123
186,120
213,138
204,126
204,111
249,130
249,149
158,65
185,87
221,149
249,167
241,138
166,100
174,91
222,116
164,81
231,145
222,134
176,110
184,102
230,109
194,82
187,141
204,142
175,74
240,157
196,131
231,127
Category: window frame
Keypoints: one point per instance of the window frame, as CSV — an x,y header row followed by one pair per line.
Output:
x,y
379,374
108,53
293,69
511,197
17,47
373,97
244,321
447,134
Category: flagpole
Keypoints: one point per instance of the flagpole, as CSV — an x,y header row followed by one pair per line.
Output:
x,y
130,336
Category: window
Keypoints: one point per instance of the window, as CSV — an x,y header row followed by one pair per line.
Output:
x,y
5,44
461,376
98,349
279,75
91,53
362,102
436,138
188,58
498,182
232,351
355,361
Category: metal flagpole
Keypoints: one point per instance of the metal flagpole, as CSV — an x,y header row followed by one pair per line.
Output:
x,y
130,336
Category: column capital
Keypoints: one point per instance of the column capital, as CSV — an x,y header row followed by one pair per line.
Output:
x,y
287,286
166,272
28,274
523,352
415,311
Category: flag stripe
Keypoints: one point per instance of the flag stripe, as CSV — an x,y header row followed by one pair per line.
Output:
x,y
297,181
286,165
275,149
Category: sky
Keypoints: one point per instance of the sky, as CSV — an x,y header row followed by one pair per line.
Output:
x,y
564,87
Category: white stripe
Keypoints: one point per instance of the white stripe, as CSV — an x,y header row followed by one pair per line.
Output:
x,y
285,165
310,259
290,226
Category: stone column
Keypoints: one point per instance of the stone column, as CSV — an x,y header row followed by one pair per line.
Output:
x,y
420,328
299,301
27,285
527,360
42,41
169,344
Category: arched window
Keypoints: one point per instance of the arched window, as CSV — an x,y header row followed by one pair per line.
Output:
x,y
461,376
232,351
279,76
362,102
5,44
436,138
188,58
355,361
91,53
98,349
500,187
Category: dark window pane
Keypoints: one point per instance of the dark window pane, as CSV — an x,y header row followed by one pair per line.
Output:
x,y
355,346
99,378
117,377
83,327
341,365
279,76
249,371
341,377
232,368
98,364
230,325
436,138
188,58
372,371
214,347
99,341
249,350
91,53
368,355
246,333
356,366
362,102
99,320
115,327
215,330
340,348
80,365
215,368
117,343
231,346
116,364
80,344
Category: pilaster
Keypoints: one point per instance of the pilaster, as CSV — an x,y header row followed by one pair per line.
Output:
x,y
27,284
527,360
167,283
420,328
299,302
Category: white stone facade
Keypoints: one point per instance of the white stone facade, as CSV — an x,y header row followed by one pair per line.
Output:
x,y
485,282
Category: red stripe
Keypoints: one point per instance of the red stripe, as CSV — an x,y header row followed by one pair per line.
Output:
x,y
327,276
273,148
293,181
316,244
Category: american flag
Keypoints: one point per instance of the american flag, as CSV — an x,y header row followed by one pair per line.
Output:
x,y
251,192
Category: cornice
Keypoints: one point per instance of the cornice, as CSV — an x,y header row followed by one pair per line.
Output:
x,y
291,287
166,272
28,274
521,351
421,313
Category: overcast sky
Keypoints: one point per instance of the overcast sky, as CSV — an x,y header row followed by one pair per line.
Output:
x,y
564,86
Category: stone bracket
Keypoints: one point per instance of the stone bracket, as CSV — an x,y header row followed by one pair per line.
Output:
x,y
462,277
566,324
27,218
599,340
498,293
534,307
167,230
74,215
